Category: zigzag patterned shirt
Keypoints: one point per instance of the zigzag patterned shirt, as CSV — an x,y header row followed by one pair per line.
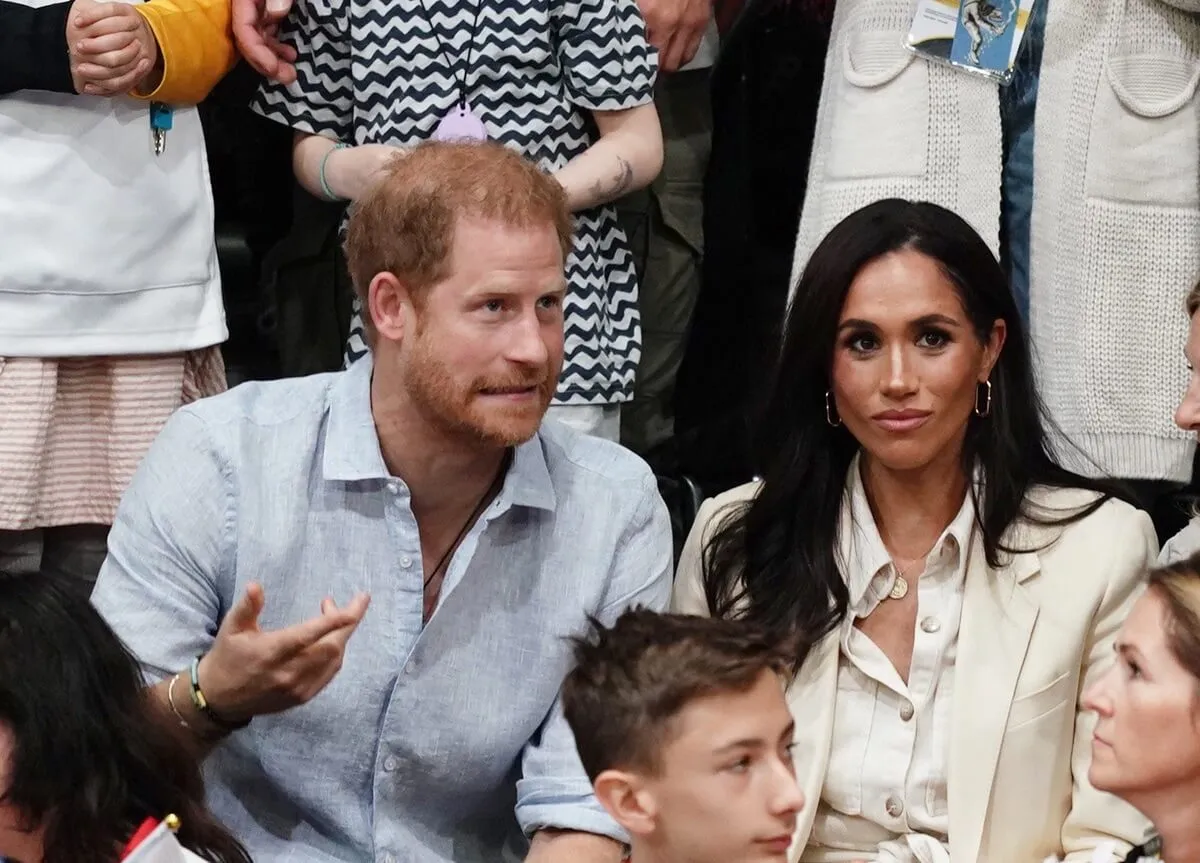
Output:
x,y
372,72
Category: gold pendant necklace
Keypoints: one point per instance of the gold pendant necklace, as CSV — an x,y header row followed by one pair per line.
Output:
x,y
900,585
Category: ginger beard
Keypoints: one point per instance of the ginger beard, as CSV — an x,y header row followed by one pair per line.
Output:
x,y
501,410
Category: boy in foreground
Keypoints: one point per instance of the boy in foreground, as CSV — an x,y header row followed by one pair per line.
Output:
x,y
682,726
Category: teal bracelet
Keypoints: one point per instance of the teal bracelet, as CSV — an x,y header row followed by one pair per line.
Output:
x,y
203,707
328,192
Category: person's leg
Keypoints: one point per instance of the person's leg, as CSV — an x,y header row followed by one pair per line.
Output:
x,y
596,420
20,551
75,552
673,243
1017,108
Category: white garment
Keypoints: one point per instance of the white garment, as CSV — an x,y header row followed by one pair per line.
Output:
x,y
1115,242
885,792
161,846
1182,545
602,421
105,248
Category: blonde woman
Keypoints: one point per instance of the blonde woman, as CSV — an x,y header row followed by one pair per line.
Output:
x,y
1146,744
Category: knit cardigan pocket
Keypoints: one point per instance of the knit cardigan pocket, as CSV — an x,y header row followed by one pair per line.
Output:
x,y
881,125
1145,139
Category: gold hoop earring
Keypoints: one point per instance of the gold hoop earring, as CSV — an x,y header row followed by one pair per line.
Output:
x,y
987,399
831,416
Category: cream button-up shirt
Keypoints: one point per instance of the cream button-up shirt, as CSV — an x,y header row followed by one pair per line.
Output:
x,y
885,792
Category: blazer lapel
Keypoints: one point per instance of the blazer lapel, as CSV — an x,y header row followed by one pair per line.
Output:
x,y
811,698
994,632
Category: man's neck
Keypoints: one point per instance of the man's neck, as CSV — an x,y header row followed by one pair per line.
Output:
x,y
444,474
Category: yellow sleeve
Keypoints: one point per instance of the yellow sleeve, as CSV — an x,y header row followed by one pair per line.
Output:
x,y
195,47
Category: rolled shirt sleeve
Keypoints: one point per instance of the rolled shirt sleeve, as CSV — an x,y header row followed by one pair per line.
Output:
x,y
554,791
168,551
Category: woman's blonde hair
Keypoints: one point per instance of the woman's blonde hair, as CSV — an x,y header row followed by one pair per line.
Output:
x,y
1179,587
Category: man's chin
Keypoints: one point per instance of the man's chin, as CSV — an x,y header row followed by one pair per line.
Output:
x,y
510,427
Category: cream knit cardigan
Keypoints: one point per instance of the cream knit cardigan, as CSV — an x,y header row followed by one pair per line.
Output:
x,y
1116,216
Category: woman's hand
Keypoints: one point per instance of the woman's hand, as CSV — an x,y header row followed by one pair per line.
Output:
x,y
113,50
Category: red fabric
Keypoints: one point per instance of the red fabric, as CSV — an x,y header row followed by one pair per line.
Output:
x,y
148,827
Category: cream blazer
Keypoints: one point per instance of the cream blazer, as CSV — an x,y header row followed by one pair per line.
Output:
x,y
1033,634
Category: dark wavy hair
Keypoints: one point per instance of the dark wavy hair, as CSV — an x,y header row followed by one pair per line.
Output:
x,y
93,756
772,559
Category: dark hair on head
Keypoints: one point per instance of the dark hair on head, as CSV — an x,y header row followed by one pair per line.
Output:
x,y
632,679
772,559
1178,584
92,755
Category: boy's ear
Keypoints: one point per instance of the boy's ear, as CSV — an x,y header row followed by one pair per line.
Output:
x,y
628,801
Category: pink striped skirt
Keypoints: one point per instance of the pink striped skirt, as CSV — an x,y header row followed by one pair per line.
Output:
x,y
73,430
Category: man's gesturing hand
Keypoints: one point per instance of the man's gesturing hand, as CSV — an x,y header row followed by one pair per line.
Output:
x,y
249,672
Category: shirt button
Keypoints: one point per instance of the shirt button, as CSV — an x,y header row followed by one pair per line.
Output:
x,y
393,487
405,562
930,625
894,807
390,764
906,711
389,858
411,667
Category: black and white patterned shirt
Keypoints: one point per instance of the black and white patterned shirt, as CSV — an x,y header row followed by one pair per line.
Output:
x,y
374,72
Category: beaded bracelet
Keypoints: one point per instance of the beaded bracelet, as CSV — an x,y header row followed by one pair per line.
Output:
x,y
201,703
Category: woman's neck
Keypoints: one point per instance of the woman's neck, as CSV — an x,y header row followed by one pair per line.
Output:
x,y
1175,813
912,508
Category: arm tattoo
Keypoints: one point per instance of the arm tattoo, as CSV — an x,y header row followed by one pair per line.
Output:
x,y
617,186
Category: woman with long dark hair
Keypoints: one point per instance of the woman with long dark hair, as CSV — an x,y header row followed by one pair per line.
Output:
x,y
84,759
953,586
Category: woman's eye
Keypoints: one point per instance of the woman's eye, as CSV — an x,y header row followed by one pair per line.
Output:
x,y
862,344
933,339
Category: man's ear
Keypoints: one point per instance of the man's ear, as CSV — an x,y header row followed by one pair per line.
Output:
x,y
628,801
389,306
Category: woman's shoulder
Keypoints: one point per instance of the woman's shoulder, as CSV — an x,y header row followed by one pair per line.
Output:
x,y
1046,505
1065,524
715,509
1182,545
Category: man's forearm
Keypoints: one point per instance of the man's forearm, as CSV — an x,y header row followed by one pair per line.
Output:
x,y
175,706
565,846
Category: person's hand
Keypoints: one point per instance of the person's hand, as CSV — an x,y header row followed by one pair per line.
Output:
x,y
255,29
249,672
353,171
675,28
112,49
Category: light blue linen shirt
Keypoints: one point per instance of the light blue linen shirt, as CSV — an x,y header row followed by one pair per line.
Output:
x,y
429,739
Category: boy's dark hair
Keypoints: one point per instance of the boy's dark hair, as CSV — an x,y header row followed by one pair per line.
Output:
x,y
632,679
